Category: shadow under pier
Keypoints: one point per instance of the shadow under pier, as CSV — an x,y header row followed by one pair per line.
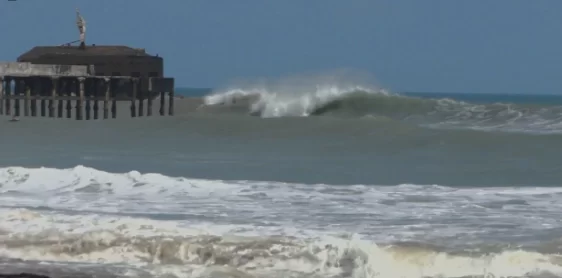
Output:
x,y
82,97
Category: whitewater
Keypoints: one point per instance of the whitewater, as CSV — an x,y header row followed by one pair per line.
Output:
x,y
315,179
181,226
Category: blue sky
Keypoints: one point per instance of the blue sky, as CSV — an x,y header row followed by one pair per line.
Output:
x,y
503,46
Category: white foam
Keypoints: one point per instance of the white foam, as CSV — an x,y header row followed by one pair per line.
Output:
x,y
162,224
295,96
161,247
273,204
498,116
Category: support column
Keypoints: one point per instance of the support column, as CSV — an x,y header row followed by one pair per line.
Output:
x,y
162,103
55,83
1,95
88,96
8,94
114,101
106,98
17,92
134,98
60,104
43,93
149,108
171,103
43,107
141,94
80,100
68,92
36,90
95,86
69,108
26,99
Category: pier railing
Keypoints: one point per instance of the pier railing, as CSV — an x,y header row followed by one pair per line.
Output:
x,y
53,95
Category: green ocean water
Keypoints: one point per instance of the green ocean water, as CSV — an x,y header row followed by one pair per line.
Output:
x,y
422,138
337,182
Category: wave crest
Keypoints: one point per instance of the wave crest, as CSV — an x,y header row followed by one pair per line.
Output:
x,y
267,104
296,96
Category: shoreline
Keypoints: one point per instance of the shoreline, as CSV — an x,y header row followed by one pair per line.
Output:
x,y
23,275
18,268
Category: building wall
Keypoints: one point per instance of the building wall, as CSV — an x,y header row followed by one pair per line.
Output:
x,y
105,65
22,68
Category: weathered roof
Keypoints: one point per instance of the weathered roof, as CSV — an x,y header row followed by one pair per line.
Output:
x,y
92,50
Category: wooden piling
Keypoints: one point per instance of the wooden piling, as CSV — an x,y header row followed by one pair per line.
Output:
x,y
26,100
80,98
113,103
40,94
17,92
71,84
95,88
43,104
134,98
87,97
88,108
54,82
60,92
171,103
162,103
8,94
149,105
17,107
141,94
107,84
32,100
1,95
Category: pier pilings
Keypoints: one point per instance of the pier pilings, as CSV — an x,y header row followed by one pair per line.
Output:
x,y
49,96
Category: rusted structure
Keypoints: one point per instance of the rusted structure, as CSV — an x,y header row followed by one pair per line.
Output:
x,y
49,78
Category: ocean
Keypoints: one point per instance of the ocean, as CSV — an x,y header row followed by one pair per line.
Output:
x,y
325,180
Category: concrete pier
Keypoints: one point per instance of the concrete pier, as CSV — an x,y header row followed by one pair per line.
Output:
x,y
54,91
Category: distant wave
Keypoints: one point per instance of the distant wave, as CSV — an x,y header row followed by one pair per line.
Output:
x,y
296,96
271,105
356,101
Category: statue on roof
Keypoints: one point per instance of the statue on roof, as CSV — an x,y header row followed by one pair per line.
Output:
x,y
81,23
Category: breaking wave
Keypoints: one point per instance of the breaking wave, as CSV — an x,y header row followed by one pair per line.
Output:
x,y
178,227
350,100
270,105
356,102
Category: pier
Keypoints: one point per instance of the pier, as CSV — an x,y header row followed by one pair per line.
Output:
x,y
54,81
90,97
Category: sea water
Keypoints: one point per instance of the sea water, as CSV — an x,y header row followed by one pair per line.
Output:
x,y
321,181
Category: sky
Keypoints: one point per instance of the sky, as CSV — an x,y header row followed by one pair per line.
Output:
x,y
480,46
